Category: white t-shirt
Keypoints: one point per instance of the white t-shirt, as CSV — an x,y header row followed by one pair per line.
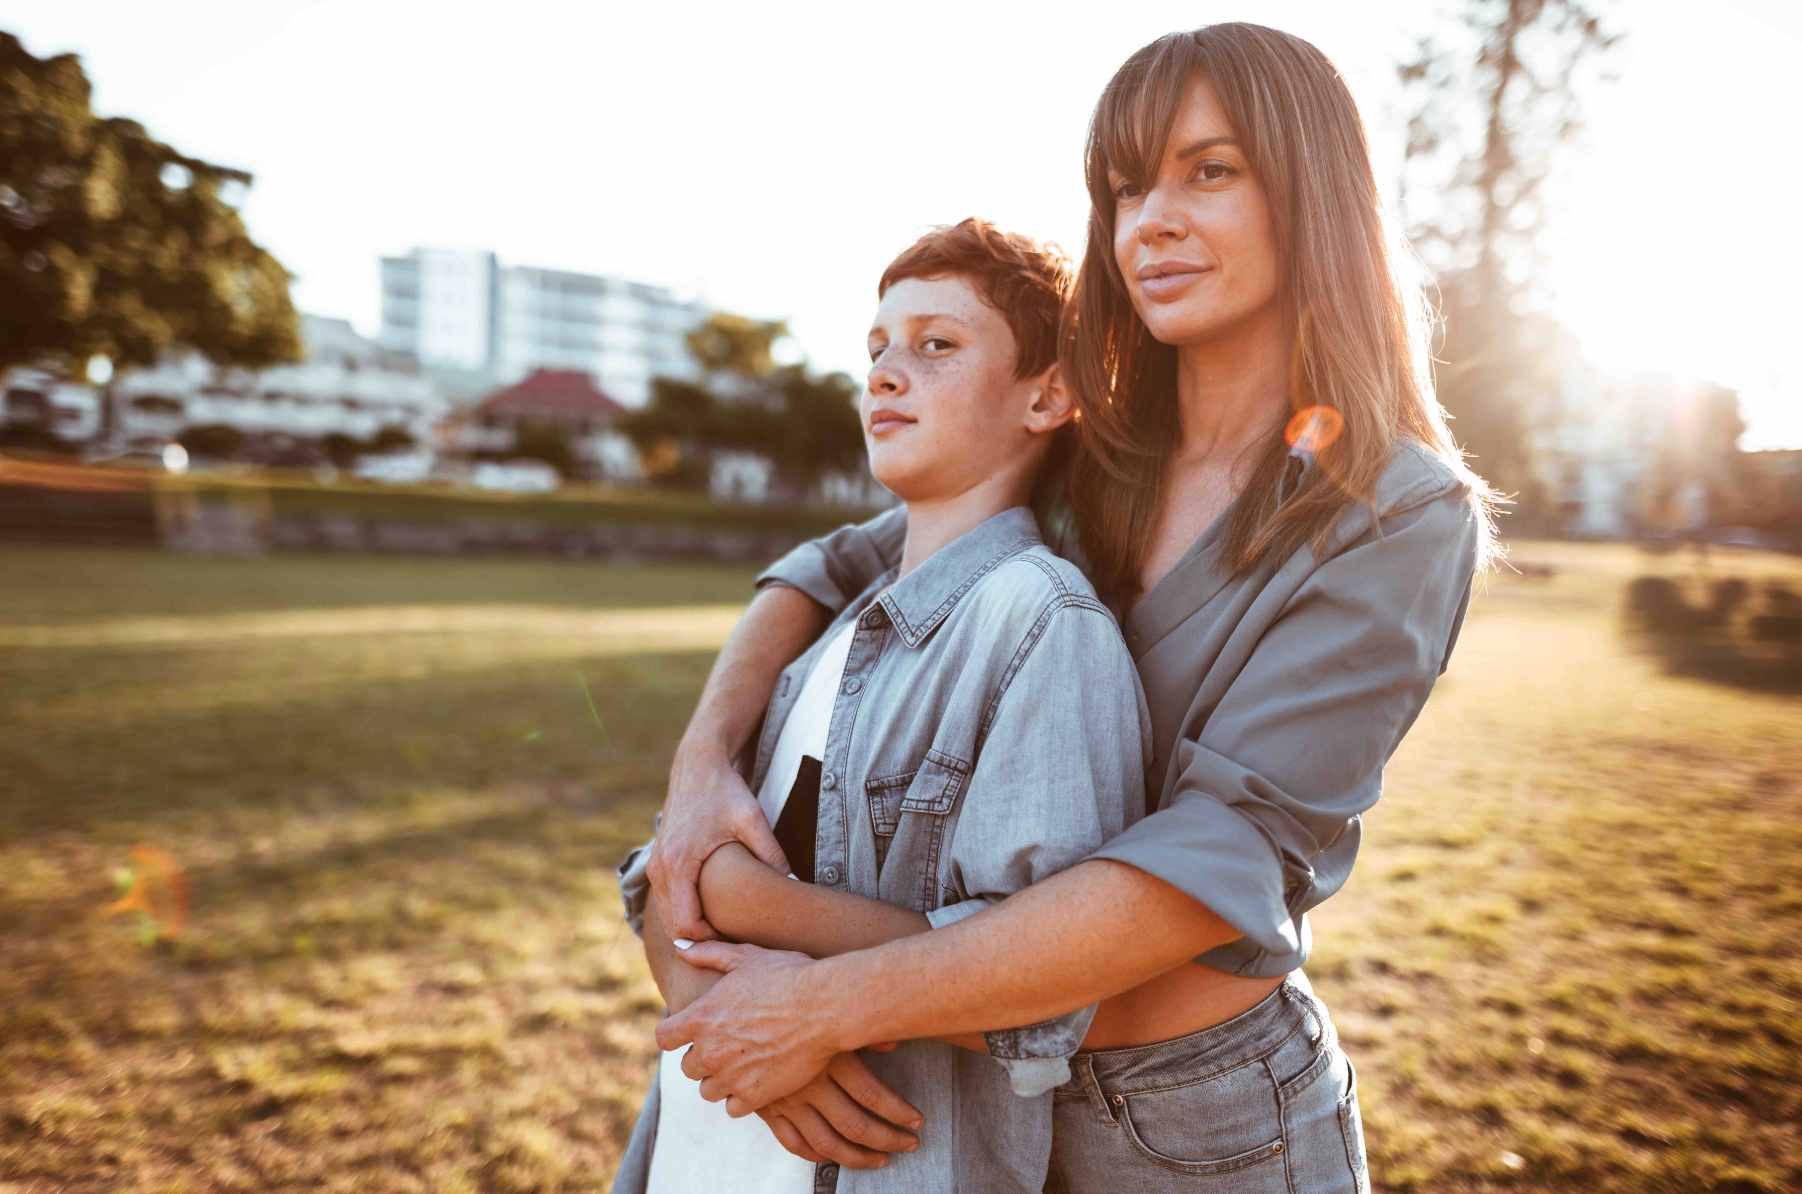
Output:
x,y
700,1149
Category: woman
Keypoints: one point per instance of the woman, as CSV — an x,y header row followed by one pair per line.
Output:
x,y
1288,605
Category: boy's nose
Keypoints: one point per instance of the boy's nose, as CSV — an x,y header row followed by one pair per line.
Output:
x,y
884,380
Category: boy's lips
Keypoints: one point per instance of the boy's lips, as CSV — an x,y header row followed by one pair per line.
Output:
x,y
883,419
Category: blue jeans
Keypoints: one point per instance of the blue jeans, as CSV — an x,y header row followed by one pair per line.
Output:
x,y
1265,1103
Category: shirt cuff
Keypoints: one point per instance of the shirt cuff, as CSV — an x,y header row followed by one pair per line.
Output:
x,y
635,886
1220,858
1037,1057
950,914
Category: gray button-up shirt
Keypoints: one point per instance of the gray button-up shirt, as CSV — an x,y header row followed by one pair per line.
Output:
x,y
1277,695
988,731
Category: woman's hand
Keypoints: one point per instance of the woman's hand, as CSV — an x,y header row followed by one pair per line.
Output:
x,y
708,806
754,1037
827,1120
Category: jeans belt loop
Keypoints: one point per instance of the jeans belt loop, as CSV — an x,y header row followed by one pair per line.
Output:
x,y
1085,1067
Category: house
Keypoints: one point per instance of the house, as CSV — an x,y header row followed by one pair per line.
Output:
x,y
551,407
42,407
345,386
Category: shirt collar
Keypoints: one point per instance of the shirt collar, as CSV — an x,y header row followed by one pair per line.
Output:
x,y
919,601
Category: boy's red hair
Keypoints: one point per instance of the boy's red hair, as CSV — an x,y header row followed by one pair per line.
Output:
x,y
1025,280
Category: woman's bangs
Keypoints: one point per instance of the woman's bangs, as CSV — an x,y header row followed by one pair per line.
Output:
x,y
1138,109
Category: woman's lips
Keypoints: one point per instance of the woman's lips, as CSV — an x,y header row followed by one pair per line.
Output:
x,y
1166,281
884,420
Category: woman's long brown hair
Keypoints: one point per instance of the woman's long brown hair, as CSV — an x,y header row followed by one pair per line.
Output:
x,y
1360,336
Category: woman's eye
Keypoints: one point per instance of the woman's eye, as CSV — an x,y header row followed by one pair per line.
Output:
x,y
1126,190
1215,171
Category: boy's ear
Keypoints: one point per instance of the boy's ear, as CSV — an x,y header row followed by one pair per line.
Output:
x,y
1052,405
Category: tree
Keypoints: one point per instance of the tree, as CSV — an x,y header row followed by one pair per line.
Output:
x,y
806,424
1493,113
393,438
115,244
549,442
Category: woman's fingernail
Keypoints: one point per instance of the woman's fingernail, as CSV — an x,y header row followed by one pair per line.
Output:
x,y
683,943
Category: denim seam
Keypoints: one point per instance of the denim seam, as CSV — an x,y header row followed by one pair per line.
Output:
x,y
1032,639
1260,1059
1244,1160
1282,1124
914,635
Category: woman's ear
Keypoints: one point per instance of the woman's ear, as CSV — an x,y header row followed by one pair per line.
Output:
x,y
1052,405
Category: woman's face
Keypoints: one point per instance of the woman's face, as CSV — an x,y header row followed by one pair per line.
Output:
x,y
1195,243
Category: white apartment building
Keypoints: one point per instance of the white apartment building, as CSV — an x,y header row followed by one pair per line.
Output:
x,y
346,385
464,309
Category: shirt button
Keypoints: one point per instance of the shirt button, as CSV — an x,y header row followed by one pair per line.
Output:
x,y
852,685
829,874
828,781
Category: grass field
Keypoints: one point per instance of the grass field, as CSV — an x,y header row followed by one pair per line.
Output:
x,y
1568,960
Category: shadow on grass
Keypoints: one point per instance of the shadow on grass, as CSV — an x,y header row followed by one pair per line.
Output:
x,y
345,742
1736,635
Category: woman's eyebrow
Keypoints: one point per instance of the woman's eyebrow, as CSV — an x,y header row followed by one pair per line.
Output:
x,y
1206,143
932,315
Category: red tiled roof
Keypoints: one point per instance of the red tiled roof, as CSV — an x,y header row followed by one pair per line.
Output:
x,y
554,393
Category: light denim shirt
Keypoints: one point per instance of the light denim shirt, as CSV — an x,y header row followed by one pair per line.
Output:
x,y
989,731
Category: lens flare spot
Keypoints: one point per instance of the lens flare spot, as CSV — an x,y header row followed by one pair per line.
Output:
x,y
156,889
1314,428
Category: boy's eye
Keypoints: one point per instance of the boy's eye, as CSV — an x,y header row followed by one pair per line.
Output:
x,y
937,344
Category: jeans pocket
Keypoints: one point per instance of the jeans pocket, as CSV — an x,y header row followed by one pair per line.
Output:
x,y
1220,1124
1351,1127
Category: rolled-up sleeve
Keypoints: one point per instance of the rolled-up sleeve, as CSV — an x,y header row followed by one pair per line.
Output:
x,y
1061,772
635,885
1264,819
837,567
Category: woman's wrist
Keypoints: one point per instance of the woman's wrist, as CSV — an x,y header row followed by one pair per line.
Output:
x,y
845,1004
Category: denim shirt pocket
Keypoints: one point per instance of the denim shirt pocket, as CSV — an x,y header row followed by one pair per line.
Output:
x,y
922,819
885,793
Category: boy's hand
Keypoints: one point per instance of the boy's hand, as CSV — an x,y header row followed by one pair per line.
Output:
x,y
708,806
843,1115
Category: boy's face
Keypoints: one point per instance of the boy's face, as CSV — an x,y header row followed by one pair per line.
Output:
x,y
942,410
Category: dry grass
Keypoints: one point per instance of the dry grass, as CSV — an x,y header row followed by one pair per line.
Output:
x,y
1567,960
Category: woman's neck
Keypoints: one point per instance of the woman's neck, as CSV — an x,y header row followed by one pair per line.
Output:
x,y
936,522
1231,389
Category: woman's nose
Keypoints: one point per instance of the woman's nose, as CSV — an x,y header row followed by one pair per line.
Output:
x,y
1161,217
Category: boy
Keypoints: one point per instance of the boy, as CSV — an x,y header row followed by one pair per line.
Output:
x,y
970,724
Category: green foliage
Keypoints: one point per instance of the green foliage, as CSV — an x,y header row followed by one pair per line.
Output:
x,y
548,442
215,441
392,439
114,243
806,423
343,450
729,343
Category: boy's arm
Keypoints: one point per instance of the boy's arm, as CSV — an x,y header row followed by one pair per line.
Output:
x,y
747,901
708,802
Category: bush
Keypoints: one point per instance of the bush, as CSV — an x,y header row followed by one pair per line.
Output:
x,y
214,441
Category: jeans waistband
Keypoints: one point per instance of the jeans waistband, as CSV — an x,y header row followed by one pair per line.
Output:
x,y
1252,1034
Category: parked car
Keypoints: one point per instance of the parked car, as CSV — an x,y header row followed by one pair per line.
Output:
x,y
515,476
396,468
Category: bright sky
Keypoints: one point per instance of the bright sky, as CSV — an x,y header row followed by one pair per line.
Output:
x,y
773,157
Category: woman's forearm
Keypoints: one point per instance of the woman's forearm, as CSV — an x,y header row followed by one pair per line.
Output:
x,y
747,901
1077,938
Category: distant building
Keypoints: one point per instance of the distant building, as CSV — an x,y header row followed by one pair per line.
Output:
x,y
45,406
346,385
465,310
565,402
1631,452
